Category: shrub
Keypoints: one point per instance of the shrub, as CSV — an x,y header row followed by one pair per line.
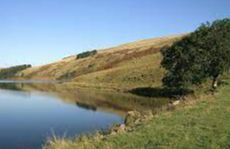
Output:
x,y
86,54
12,71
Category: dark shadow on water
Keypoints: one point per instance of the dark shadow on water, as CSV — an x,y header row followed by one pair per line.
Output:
x,y
161,92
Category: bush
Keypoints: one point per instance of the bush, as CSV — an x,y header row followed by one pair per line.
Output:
x,y
12,71
86,54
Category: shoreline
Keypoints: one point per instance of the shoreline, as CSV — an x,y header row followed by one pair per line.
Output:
x,y
133,123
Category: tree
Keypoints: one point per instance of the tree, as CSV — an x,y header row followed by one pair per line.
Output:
x,y
200,55
218,46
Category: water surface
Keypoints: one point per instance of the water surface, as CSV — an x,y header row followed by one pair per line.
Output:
x,y
28,118
31,112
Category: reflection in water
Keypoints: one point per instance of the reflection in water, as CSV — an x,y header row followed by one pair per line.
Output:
x,y
11,86
86,106
93,99
60,108
28,117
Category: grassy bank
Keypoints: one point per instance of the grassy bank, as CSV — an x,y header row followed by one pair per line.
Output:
x,y
202,123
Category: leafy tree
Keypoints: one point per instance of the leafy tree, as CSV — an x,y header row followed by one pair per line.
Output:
x,y
200,55
218,45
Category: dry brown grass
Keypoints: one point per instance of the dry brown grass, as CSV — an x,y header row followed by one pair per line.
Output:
x,y
127,64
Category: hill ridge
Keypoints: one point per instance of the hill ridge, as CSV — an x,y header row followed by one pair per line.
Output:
x,y
107,62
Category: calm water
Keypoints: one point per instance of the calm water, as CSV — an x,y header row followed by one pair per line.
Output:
x,y
28,118
31,113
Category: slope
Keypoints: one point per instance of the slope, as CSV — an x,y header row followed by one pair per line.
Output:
x,y
132,64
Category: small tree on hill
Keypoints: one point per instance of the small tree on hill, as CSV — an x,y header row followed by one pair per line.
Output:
x,y
202,54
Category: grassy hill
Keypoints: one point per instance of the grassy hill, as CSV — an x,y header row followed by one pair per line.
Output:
x,y
128,65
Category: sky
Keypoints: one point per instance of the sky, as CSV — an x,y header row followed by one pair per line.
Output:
x,y
42,31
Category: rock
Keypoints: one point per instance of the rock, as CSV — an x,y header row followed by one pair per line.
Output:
x,y
131,117
122,127
148,115
113,133
118,129
176,102
137,121
98,136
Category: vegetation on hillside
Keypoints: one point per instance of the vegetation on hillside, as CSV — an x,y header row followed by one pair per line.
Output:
x,y
86,54
12,71
130,65
203,54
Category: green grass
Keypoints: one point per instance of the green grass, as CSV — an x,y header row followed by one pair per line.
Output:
x,y
201,123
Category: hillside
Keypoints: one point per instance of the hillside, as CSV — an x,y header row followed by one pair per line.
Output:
x,y
132,64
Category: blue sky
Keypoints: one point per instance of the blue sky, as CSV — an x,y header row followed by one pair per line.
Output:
x,y
42,31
